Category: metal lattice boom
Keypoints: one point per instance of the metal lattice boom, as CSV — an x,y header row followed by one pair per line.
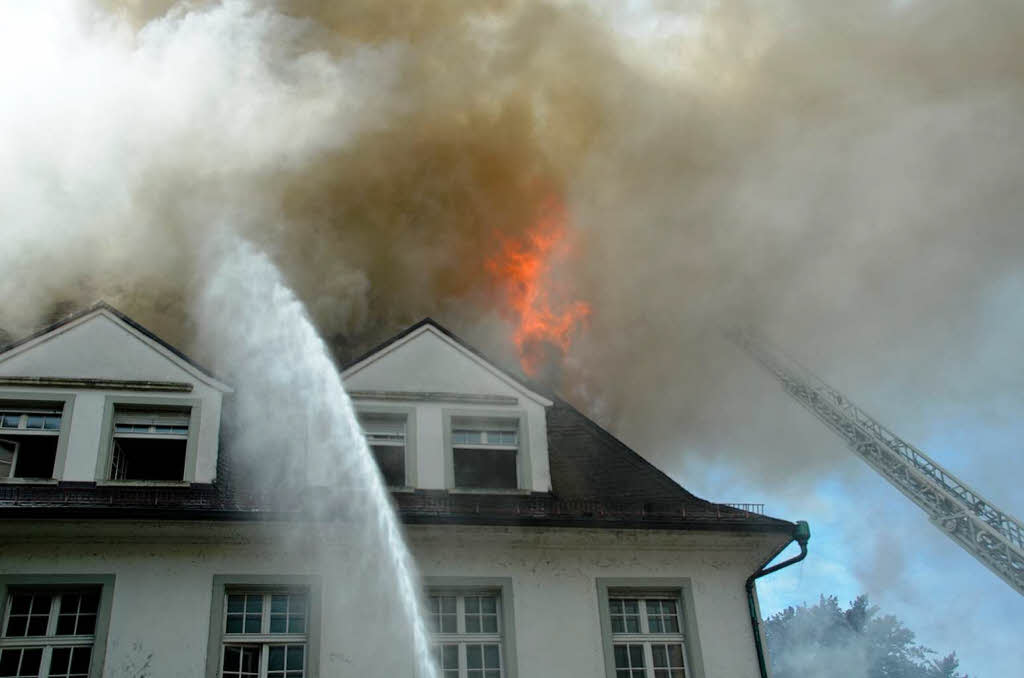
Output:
x,y
990,535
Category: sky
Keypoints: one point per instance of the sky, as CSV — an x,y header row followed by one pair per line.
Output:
x,y
844,177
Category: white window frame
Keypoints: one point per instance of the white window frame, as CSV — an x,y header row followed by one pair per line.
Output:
x,y
116,406
151,421
646,638
57,586
266,585
484,420
265,639
25,403
460,588
643,590
408,416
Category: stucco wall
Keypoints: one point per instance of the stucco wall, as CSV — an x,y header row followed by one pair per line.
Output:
x,y
99,347
164,577
427,362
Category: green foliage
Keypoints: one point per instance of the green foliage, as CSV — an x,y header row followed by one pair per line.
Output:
x,y
826,640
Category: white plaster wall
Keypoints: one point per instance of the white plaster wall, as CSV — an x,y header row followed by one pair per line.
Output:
x,y
98,348
86,434
163,587
429,440
101,348
430,363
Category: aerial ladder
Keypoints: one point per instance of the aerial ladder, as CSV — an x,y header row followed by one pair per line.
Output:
x,y
992,536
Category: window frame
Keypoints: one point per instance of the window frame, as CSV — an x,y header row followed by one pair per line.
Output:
x,y
680,588
469,586
224,584
524,469
411,475
66,583
23,399
105,457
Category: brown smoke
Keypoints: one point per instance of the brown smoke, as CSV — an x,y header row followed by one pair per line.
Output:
x,y
844,175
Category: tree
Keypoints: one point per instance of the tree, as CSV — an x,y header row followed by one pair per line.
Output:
x,y
826,640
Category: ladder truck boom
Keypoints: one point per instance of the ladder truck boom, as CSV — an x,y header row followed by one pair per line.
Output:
x,y
992,536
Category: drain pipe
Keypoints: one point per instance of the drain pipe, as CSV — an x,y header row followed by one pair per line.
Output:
x,y
801,533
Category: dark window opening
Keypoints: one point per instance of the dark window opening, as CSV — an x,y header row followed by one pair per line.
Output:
x,y
149,444
27,456
148,459
391,462
29,433
481,468
485,452
386,436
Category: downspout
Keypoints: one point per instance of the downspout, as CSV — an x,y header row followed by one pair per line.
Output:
x,y
801,533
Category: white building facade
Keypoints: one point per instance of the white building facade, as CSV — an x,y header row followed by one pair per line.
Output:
x,y
546,546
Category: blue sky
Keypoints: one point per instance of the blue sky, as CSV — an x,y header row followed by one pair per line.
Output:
x,y
868,538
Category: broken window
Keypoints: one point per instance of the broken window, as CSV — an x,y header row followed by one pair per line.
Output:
x,y
485,453
28,440
149,445
386,437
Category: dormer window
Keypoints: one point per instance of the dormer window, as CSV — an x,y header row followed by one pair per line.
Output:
x,y
485,453
149,444
387,437
28,440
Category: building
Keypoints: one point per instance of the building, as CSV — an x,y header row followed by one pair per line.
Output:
x,y
547,547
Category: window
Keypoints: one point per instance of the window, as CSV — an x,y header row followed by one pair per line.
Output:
x,y
468,630
386,436
265,634
264,627
485,452
646,634
149,444
29,436
57,631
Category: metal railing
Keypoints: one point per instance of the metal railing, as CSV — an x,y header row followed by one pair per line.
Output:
x,y
749,508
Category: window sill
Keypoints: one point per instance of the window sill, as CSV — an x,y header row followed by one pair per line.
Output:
x,y
485,490
402,489
143,483
28,481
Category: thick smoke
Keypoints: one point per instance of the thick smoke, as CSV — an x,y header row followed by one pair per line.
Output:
x,y
844,175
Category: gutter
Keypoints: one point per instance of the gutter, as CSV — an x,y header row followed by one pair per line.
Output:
x,y
801,534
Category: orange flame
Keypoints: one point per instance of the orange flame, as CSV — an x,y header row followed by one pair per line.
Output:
x,y
543,316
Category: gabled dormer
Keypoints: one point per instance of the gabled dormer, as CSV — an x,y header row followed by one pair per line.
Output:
x,y
439,416
97,397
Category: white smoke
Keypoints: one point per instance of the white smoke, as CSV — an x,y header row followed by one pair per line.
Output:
x,y
123,147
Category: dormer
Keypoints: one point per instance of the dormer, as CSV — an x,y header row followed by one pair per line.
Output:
x,y
97,397
437,415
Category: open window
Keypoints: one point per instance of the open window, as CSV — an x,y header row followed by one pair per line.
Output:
x,y
29,436
149,443
485,452
387,437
